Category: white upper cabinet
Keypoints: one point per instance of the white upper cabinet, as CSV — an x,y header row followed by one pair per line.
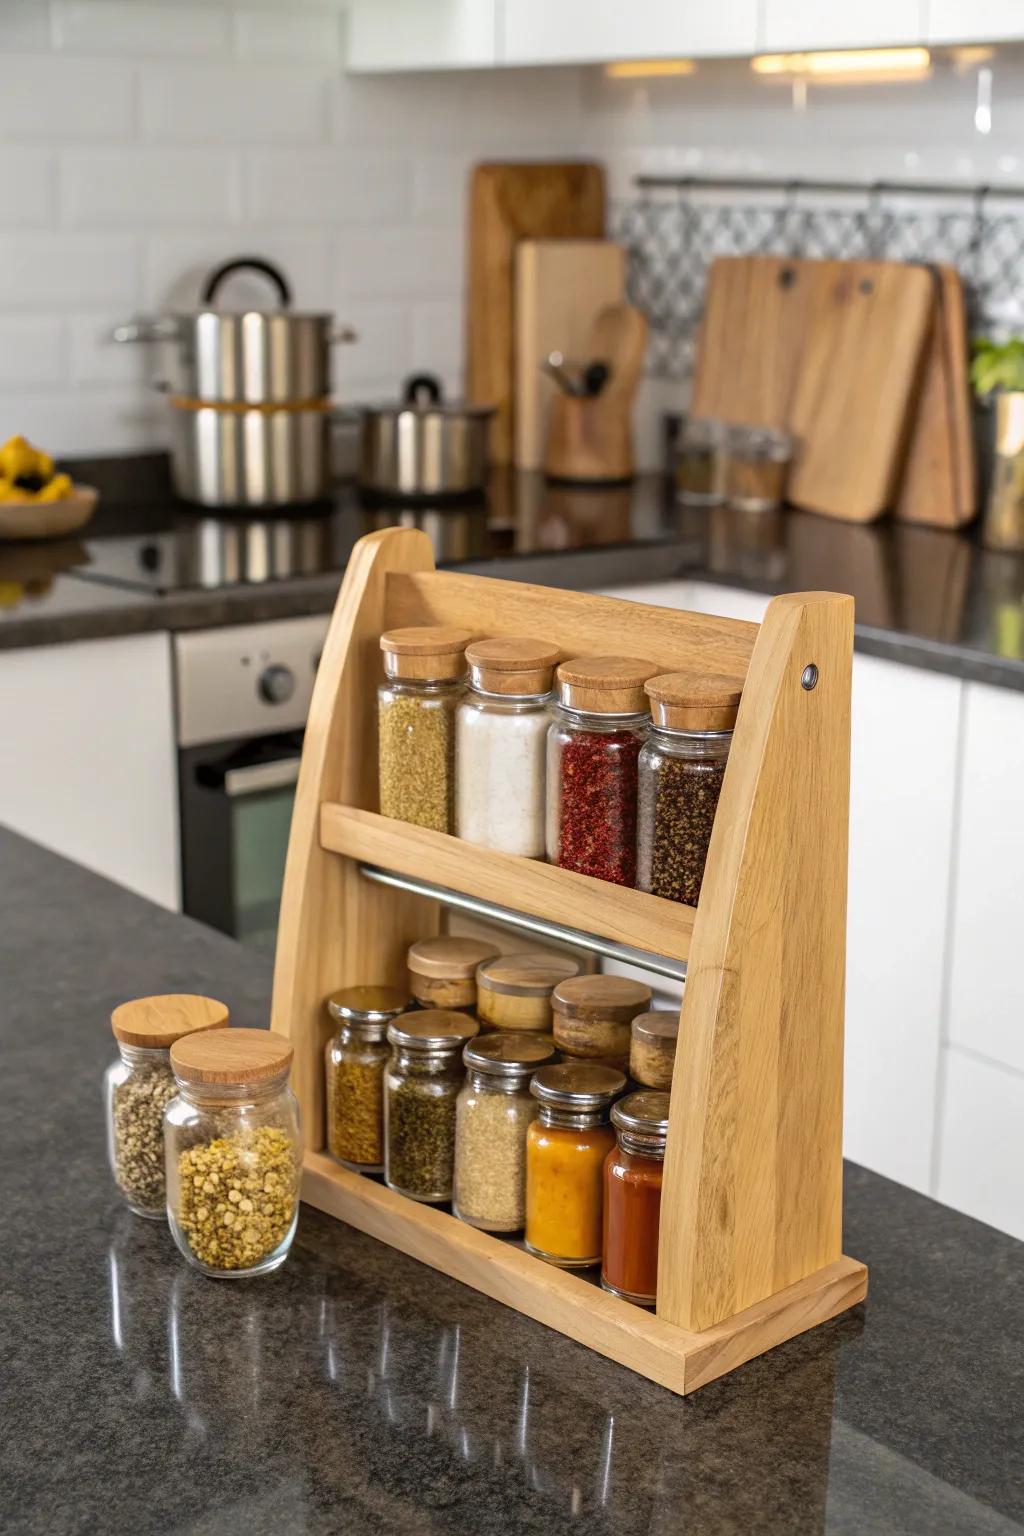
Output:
x,y
585,31
975,21
797,25
421,34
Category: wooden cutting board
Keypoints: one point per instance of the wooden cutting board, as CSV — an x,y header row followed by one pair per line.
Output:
x,y
508,203
939,474
561,286
857,385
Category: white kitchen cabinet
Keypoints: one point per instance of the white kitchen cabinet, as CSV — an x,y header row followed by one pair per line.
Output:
x,y
88,765
975,21
583,31
798,25
421,34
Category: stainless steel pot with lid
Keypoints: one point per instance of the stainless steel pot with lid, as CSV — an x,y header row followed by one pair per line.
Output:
x,y
425,446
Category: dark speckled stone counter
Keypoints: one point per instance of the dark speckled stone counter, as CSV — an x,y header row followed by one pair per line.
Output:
x,y
356,1391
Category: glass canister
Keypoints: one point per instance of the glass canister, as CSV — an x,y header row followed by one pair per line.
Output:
x,y
632,1197
652,1049
566,1147
442,971
698,461
682,767
593,746
492,1116
421,1085
593,1015
514,991
425,669
234,1152
500,745
139,1085
355,1059
757,461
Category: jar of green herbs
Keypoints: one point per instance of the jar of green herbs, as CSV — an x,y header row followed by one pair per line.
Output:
x,y
421,1085
425,668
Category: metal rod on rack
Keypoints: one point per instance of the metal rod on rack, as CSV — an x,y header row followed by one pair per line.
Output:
x,y
659,965
797,184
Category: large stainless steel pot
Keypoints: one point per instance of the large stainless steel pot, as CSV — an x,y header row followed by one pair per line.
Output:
x,y
249,396
425,446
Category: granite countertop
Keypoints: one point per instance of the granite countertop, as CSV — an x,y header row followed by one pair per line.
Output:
x,y
357,1391
147,562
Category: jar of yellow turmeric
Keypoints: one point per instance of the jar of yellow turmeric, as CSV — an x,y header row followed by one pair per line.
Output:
x,y
565,1151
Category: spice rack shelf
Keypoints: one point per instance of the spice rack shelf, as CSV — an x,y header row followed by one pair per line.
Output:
x,y
751,1236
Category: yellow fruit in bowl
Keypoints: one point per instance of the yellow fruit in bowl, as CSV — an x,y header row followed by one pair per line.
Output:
x,y
27,474
56,489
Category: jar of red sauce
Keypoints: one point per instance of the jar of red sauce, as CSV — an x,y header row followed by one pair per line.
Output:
x,y
632,1197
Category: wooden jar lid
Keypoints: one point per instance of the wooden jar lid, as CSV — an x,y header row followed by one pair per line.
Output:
x,y
448,959
368,1004
427,652
605,685
617,999
690,701
427,1028
532,974
235,1056
659,1026
512,665
156,1022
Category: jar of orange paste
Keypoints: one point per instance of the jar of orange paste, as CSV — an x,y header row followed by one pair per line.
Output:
x,y
565,1151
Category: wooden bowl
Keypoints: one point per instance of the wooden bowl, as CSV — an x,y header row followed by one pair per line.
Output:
x,y
48,519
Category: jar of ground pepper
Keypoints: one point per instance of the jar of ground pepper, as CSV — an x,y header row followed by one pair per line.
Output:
x,y
593,1015
566,1147
425,668
421,1085
355,1059
233,1151
139,1085
632,1197
500,734
593,746
514,991
492,1116
681,770
442,972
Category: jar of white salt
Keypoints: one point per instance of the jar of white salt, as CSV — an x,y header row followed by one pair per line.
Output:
x,y
500,738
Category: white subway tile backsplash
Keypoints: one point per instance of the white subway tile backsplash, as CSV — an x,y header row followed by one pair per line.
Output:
x,y
85,421
175,266
400,111
142,27
24,26
400,261
32,351
382,352
437,336
140,187
30,177
224,104
981,1151
268,34
66,100
67,270
336,187
441,186
97,362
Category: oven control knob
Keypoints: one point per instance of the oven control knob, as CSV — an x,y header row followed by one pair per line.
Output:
x,y
277,684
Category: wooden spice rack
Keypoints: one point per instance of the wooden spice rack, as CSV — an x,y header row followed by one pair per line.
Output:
x,y
751,1224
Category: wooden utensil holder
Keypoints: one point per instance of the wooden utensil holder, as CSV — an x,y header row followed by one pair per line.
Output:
x,y
751,1223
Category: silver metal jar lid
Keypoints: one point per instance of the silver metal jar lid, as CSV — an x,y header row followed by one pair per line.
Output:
x,y
642,1114
509,1054
432,1029
579,1086
367,1005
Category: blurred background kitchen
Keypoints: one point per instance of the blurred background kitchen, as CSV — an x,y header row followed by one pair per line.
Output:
x,y
158,657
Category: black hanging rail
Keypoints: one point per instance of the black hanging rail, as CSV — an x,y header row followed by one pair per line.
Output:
x,y
795,185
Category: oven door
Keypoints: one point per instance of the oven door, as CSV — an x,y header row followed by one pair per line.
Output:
x,y
236,812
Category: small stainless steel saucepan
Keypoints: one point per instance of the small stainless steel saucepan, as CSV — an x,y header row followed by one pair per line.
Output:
x,y
425,446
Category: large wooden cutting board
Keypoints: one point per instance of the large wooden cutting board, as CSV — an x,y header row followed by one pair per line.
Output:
x,y
752,338
561,286
856,385
939,476
508,203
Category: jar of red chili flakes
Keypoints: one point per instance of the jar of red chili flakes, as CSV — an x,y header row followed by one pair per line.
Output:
x,y
593,744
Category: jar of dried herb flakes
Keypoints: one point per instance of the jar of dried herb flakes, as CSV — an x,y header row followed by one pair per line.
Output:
x,y
652,1049
233,1151
138,1086
421,1085
514,991
442,972
593,1015
500,736
355,1060
632,1197
593,745
425,668
565,1151
492,1116
682,767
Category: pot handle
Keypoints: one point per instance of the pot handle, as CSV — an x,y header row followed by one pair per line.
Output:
x,y
145,328
251,264
423,388
342,333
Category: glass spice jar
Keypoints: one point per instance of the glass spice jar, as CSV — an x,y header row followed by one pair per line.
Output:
x,y
757,461
592,1017
514,991
442,972
682,767
138,1086
632,1197
421,1085
652,1049
355,1060
425,669
566,1147
698,461
493,1112
234,1152
593,745
501,729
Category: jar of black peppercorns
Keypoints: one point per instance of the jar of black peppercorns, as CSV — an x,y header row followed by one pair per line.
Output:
x,y
679,780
